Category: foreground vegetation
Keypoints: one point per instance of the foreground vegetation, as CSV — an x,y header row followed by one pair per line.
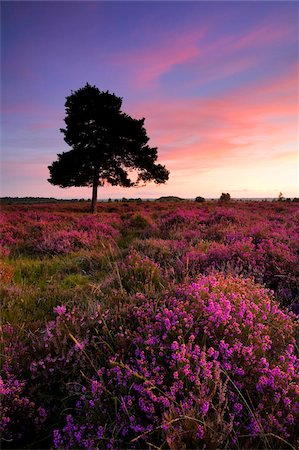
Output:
x,y
148,325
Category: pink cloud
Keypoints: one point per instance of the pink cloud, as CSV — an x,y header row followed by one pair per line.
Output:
x,y
25,169
264,34
31,109
20,108
149,64
46,125
260,119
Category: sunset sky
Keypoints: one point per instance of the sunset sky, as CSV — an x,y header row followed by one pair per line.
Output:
x,y
217,83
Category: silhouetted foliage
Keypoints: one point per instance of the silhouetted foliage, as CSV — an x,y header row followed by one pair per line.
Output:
x,y
170,198
30,200
225,197
200,199
106,144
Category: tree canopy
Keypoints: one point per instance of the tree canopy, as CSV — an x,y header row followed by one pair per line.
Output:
x,y
107,145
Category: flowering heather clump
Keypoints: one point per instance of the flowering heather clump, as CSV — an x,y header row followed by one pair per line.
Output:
x,y
175,223
19,415
98,227
165,252
62,242
214,365
41,232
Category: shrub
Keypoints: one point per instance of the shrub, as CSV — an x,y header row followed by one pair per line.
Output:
x,y
225,197
139,273
140,222
200,199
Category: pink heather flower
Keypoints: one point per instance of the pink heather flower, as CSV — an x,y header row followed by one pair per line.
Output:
x,y
286,401
60,310
57,439
238,407
239,371
175,345
100,432
80,345
42,412
205,407
200,432
211,351
186,370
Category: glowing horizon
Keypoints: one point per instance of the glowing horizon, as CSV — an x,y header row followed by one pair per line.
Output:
x,y
217,83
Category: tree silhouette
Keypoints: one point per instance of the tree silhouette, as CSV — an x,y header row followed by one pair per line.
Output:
x,y
225,197
107,145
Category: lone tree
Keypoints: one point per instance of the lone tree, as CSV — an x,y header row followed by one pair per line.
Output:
x,y
107,145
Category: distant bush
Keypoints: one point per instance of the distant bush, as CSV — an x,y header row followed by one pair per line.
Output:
x,y
200,199
225,197
170,198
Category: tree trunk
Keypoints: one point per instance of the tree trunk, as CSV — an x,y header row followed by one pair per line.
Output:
x,y
94,192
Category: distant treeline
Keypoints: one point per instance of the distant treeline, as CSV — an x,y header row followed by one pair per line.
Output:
x,y
39,200
30,200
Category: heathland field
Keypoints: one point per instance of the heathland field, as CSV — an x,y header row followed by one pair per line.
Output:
x,y
150,325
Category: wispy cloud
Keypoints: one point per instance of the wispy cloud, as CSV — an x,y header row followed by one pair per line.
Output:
x,y
148,64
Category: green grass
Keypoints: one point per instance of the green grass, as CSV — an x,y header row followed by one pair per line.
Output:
x,y
40,284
